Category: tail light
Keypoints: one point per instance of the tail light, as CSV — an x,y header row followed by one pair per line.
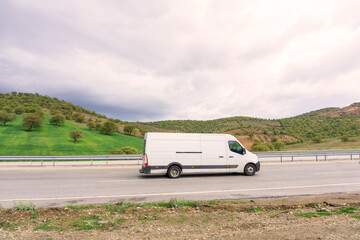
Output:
x,y
146,160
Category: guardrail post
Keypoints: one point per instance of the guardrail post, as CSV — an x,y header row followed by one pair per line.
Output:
x,y
42,162
350,156
281,159
292,158
325,158
53,162
316,158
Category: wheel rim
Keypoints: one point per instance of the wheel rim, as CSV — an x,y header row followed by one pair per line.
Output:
x,y
250,169
174,172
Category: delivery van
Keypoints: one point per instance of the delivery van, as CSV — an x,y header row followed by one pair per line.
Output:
x,y
176,153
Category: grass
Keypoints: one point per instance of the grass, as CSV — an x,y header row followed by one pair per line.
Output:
x,y
319,213
54,140
24,207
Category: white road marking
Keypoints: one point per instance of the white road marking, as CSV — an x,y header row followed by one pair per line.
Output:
x,y
338,172
134,181
178,193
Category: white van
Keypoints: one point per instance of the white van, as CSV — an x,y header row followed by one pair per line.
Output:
x,y
177,153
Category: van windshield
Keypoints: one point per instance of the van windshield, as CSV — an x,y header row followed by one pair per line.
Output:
x,y
235,147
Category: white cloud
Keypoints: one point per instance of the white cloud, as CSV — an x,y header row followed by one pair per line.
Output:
x,y
152,60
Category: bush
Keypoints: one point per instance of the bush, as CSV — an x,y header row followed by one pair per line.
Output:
x,y
80,118
271,146
345,138
125,150
260,148
91,125
278,145
57,119
274,139
316,139
75,134
19,110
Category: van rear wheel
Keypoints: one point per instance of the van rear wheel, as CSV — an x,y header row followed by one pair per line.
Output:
x,y
250,169
174,172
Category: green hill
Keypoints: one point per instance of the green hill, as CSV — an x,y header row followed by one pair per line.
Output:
x,y
333,127
54,140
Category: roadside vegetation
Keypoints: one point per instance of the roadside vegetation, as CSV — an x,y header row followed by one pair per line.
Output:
x,y
210,219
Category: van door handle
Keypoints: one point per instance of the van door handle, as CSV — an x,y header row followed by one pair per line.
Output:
x,y
221,156
231,156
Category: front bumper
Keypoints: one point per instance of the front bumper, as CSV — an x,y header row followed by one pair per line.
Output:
x,y
258,166
145,169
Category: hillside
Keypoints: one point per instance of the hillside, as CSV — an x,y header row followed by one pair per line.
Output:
x,y
54,140
327,125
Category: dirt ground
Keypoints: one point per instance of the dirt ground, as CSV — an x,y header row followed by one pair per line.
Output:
x,y
335,216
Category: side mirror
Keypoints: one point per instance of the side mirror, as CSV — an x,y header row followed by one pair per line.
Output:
x,y
243,151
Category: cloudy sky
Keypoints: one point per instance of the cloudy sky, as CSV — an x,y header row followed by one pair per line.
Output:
x,y
157,60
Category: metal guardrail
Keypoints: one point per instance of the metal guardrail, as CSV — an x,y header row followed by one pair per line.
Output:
x,y
309,155
281,156
74,158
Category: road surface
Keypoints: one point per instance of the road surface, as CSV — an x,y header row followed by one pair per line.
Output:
x,y
61,186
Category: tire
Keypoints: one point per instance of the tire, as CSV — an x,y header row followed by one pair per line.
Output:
x,y
174,171
250,169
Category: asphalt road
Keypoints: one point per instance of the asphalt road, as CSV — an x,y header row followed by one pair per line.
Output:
x,y
60,186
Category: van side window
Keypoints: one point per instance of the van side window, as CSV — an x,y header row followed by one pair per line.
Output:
x,y
235,147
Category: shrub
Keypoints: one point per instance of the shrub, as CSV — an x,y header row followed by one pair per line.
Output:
x,y
260,148
278,145
75,134
316,139
80,118
271,146
19,110
125,150
345,138
57,119
274,139
91,125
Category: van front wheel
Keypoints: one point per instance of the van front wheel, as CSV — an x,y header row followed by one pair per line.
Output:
x,y
250,169
174,172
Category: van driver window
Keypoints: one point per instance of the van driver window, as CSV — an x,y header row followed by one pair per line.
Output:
x,y
235,147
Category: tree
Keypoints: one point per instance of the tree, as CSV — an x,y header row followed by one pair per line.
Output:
x,y
57,119
31,121
109,127
75,134
129,129
6,117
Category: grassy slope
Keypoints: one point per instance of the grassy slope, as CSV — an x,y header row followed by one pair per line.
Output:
x,y
52,140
